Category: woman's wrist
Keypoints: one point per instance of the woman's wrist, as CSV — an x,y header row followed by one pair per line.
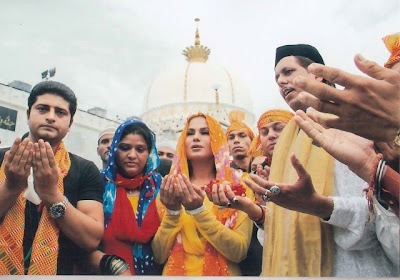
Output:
x,y
174,212
254,211
195,210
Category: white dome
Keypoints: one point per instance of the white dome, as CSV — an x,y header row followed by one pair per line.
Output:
x,y
195,87
197,82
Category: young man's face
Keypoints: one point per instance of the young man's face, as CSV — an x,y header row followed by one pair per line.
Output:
x,y
285,71
239,144
165,152
256,161
49,119
103,150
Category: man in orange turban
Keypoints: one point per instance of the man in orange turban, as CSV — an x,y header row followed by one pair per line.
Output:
x,y
239,137
270,126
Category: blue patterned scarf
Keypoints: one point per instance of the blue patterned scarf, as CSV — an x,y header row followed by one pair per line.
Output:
x,y
142,253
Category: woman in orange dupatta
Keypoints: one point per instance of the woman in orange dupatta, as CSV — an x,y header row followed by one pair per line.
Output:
x,y
200,238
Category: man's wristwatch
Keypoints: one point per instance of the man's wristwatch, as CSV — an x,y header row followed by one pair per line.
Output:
x,y
57,210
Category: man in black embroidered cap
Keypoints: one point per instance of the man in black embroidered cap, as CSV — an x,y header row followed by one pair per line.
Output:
x,y
315,198
291,61
303,50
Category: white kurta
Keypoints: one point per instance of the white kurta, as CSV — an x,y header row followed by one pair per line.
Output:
x,y
358,252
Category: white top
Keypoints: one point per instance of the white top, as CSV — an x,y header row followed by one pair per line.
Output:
x,y
387,230
359,253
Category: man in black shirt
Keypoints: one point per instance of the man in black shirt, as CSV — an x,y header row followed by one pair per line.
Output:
x,y
69,217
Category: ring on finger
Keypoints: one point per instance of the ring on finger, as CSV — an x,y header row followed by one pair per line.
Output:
x,y
275,189
235,200
265,196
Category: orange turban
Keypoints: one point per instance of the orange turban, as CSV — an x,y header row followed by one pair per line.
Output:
x,y
276,115
236,119
219,148
392,43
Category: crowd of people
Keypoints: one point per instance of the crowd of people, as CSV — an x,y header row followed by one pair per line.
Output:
x,y
314,192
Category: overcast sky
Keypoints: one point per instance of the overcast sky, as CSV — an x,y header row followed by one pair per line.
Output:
x,y
109,51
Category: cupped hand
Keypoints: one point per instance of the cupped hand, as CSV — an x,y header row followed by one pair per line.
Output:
x,y
168,194
17,164
45,173
192,196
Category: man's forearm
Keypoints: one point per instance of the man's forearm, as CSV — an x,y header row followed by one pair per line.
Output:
x,y
85,228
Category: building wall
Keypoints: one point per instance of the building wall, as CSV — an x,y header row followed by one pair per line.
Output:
x,y
82,138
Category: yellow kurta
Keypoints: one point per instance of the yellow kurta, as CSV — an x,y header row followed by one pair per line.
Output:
x,y
298,244
197,230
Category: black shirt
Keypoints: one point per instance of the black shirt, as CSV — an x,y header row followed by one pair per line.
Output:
x,y
83,182
251,265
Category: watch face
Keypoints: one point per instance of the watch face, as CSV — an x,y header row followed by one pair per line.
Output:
x,y
57,210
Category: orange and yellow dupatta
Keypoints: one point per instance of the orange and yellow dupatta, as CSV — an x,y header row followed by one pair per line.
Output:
x,y
45,244
214,263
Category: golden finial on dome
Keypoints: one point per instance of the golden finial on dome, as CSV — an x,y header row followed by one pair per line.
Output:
x,y
216,97
197,37
196,53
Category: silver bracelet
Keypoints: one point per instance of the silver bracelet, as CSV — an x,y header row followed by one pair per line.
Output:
x,y
377,172
196,211
378,182
173,212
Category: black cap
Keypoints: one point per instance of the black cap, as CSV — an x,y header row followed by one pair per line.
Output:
x,y
298,50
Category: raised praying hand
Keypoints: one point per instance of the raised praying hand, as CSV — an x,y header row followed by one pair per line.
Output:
x,y
367,106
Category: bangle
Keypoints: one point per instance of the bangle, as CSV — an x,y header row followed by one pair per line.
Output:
x,y
196,211
259,220
120,267
104,264
112,265
378,185
370,190
173,212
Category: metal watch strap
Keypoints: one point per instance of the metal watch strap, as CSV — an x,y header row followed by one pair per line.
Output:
x,y
57,210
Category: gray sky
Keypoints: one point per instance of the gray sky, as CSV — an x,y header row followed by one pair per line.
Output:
x,y
109,51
